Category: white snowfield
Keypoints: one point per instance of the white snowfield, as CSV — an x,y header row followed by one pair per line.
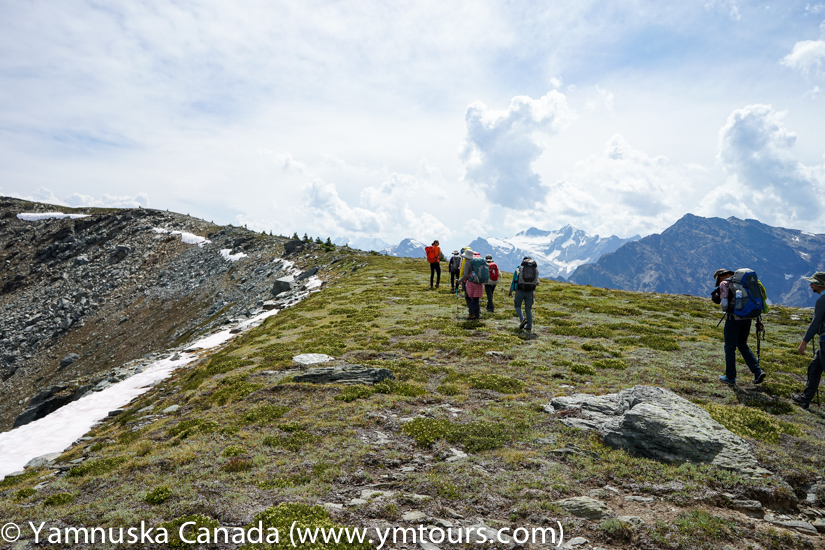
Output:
x,y
57,431
37,216
225,254
188,238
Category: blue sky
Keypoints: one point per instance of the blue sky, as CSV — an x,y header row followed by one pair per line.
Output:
x,y
419,119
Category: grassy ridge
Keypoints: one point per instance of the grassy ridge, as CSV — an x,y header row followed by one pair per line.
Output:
x,y
246,438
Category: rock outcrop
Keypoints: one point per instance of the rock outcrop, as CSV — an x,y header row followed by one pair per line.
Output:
x,y
657,423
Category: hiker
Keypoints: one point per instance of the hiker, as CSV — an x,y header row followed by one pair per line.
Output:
x,y
490,286
434,257
473,290
815,328
524,283
454,267
737,329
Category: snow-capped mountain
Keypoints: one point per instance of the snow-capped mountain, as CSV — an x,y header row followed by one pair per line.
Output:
x,y
408,248
558,253
361,243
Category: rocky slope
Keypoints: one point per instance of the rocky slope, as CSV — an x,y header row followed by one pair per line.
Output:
x,y
682,259
82,297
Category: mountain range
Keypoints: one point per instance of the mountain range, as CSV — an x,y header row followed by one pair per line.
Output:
x,y
682,259
558,253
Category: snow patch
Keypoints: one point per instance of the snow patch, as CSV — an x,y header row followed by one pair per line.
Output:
x,y
225,254
788,276
188,238
33,217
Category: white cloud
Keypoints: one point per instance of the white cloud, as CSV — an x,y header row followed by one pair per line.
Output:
x,y
108,201
764,180
600,99
731,7
807,57
622,191
500,147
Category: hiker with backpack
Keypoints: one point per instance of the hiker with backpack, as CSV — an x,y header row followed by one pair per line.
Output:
x,y
524,283
475,275
455,269
490,285
741,296
434,257
815,328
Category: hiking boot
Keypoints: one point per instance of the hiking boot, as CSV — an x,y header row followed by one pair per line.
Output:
x,y
725,380
759,377
523,324
800,400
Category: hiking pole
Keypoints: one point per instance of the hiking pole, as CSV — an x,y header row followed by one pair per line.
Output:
x,y
760,332
456,302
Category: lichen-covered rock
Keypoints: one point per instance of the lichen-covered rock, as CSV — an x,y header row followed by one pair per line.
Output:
x,y
347,374
586,507
657,423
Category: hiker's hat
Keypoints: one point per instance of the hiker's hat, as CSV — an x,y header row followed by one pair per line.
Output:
x,y
455,252
818,278
721,273
468,253
489,257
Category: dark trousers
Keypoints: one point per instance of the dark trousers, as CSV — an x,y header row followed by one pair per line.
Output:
x,y
453,279
736,337
435,268
814,376
490,289
474,307
527,297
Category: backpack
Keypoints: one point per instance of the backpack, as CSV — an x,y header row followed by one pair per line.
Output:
x,y
455,264
748,300
493,268
481,273
432,254
528,276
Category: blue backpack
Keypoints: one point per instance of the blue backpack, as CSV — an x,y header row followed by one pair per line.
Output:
x,y
481,273
748,300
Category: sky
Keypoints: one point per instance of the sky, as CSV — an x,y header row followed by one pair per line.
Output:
x,y
422,119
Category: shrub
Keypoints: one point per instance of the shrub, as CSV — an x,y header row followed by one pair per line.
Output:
x,y
237,465
519,363
291,515
234,450
292,442
749,422
24,493
399,388
584,370
351,393
448,389
96,467
475,436
264,413
661,343
158,495
496,382
195,426
58,499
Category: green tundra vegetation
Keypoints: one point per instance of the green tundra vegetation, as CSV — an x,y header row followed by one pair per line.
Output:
x,y
249,444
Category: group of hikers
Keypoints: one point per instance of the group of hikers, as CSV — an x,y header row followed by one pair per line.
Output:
x,y
739,293
478,277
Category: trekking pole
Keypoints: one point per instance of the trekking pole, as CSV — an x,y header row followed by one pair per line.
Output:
x,y
760,331
456,302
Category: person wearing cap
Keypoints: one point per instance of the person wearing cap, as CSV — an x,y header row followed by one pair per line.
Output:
x,y
490,285
473,291
737,330
455,268
815,328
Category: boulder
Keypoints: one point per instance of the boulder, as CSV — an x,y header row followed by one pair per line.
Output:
x,y
347,374
586,507
312,358
68,360
307,274
283,284
657,423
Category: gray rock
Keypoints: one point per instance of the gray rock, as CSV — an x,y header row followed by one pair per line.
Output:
x,y
283,284
576,542
639,499
307,274
43,460
657,423
752,508
291,247
347,374
170,409
414,516
68,360
799,526
633,521
586,507
819,525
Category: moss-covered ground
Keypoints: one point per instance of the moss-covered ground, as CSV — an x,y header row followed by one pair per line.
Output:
x,y
249,443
